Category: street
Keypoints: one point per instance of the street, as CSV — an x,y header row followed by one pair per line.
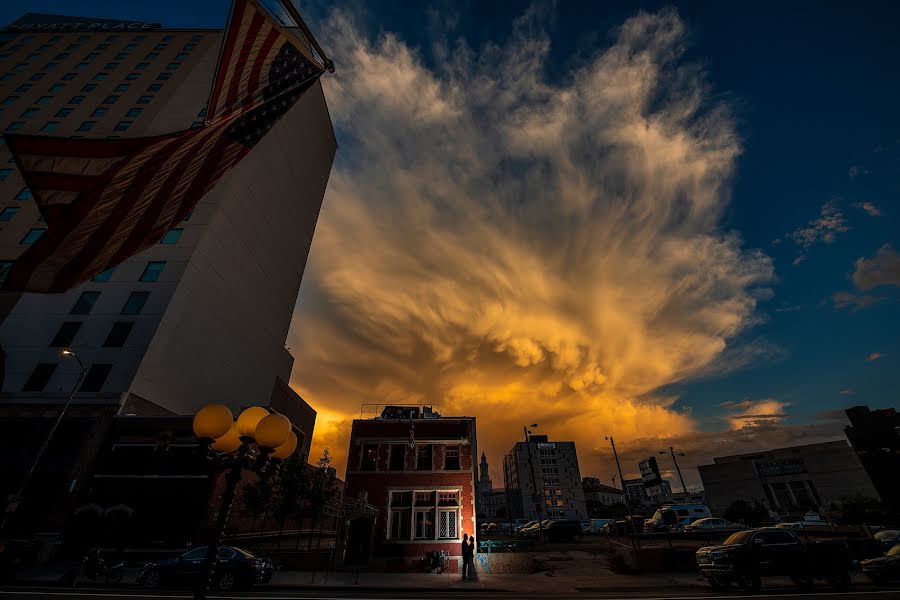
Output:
x,y
891,593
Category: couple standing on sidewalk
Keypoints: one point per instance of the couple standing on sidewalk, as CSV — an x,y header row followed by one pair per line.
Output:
x,y
468,554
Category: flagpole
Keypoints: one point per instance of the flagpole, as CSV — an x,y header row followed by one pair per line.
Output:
x,y
212,88
301,24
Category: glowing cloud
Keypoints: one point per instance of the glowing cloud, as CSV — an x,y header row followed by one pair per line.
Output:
x,y
523,250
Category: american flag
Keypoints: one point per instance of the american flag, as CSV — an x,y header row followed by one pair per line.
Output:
x,y
105,200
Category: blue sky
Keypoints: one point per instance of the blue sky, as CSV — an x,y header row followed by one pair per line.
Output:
x,y
811,92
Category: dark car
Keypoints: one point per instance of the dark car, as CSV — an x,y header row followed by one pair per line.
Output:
x,y
884,568
563,531
747,556
235,568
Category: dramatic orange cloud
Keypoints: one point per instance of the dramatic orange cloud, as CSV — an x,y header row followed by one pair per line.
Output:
x,y
523,251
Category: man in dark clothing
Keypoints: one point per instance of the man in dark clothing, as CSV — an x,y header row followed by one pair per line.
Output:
x,y
466,549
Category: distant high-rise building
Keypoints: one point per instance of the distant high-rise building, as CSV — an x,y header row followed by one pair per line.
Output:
x,y
490,503
542,480
875,436
201,317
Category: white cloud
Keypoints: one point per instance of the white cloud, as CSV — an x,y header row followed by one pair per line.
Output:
x,y
874,356
752,413
881,269
869,208
522,250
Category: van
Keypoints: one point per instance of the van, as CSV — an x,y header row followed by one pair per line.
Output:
x,y
597,525
676,516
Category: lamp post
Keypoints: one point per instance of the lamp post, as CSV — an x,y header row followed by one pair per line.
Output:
x,y
537,498
14,500
612,443
253,441
677,468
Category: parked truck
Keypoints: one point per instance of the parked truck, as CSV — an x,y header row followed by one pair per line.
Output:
x,y
747,556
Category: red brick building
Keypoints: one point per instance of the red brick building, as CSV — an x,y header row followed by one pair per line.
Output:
x,y
418,469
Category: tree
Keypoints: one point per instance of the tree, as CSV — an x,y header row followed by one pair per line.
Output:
x,y
741,511
294,489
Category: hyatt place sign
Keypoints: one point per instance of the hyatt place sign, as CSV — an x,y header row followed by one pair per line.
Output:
x,y
86,26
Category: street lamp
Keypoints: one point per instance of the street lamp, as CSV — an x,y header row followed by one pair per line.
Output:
x,y
677,468
612,443
253,441
537,499
14,501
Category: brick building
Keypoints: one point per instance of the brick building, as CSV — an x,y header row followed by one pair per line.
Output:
x,y
418,469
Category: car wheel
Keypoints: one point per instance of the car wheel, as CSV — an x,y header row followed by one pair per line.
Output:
x,y
839,580
151,579
226,581
718,583
803,581
748,580
115,576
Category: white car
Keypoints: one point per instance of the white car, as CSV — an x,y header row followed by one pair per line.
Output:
x,y
711,523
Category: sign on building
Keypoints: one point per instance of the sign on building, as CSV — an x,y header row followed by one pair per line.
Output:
x,y
650,474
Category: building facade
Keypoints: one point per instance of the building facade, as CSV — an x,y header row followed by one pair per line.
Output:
x,y
542,480
875,436
788,481
490,502
598,497
418,469
201,317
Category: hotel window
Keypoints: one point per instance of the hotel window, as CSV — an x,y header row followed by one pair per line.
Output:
x,y
398,456
451,458
65,335
32,57
33,235
151,56
172,236
62,56
122,87
110,99
102,46
95,378
173,66
91,56
189,46
38,379
11,127
99,112
8,213
164,76
159,47
43,100
29,112
135,303
83,38
88,87
134,112
168,38
423,457
121,56
132,76
36,77
23,88
141,67
76,100
112,38
6,76
21,66
50,126
122,126
181,56
56,88
50,67
9,100
81,66
87,126
131,47
55,38
24,194
196,38
101,77
118,334
111,66
369,457
104,275
5,266
153,270
144,99
154,87
4,173
85,303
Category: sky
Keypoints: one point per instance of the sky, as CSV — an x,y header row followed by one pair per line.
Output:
x,y
671,223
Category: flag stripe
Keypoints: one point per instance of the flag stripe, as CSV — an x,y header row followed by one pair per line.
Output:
x,y
225,61
261,58
61,182
238,75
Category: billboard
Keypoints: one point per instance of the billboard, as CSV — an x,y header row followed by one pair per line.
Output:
x,y
650,473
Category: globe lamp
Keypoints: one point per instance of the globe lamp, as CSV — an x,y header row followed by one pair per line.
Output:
x,y
229,442
287,448
213,421
249,419
272,431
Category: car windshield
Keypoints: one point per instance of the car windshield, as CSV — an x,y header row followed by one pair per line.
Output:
x,y
888,534
246,553
738,538
895,551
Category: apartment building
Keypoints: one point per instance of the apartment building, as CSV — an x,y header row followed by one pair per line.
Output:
x,y
417,468
542,480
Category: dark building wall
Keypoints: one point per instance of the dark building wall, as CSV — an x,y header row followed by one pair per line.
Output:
x,y
875,436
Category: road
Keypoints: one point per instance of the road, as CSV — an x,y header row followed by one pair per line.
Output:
x,y
892,593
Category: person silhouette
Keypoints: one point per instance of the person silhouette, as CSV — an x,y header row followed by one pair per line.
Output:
x,y
466,551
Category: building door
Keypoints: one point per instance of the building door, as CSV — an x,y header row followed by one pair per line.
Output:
x,y
359,542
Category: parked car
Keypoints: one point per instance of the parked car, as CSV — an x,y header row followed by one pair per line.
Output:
x,y
711,524
748,556
600,525
884,568
889,537
236,569
676,516
563,531
517,523
522,528
585,526
534,531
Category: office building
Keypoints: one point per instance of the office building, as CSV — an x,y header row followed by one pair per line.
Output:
x,y
788,481
542,480
201,317
490,502
875,436
598,497
418,469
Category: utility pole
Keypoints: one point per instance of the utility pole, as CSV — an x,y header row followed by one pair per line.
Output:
x,y
612,443
536,498
678,469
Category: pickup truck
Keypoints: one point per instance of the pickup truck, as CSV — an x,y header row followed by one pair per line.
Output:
x,y
748,556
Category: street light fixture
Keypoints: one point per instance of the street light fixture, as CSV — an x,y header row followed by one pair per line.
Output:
x,y
17,498
255,441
